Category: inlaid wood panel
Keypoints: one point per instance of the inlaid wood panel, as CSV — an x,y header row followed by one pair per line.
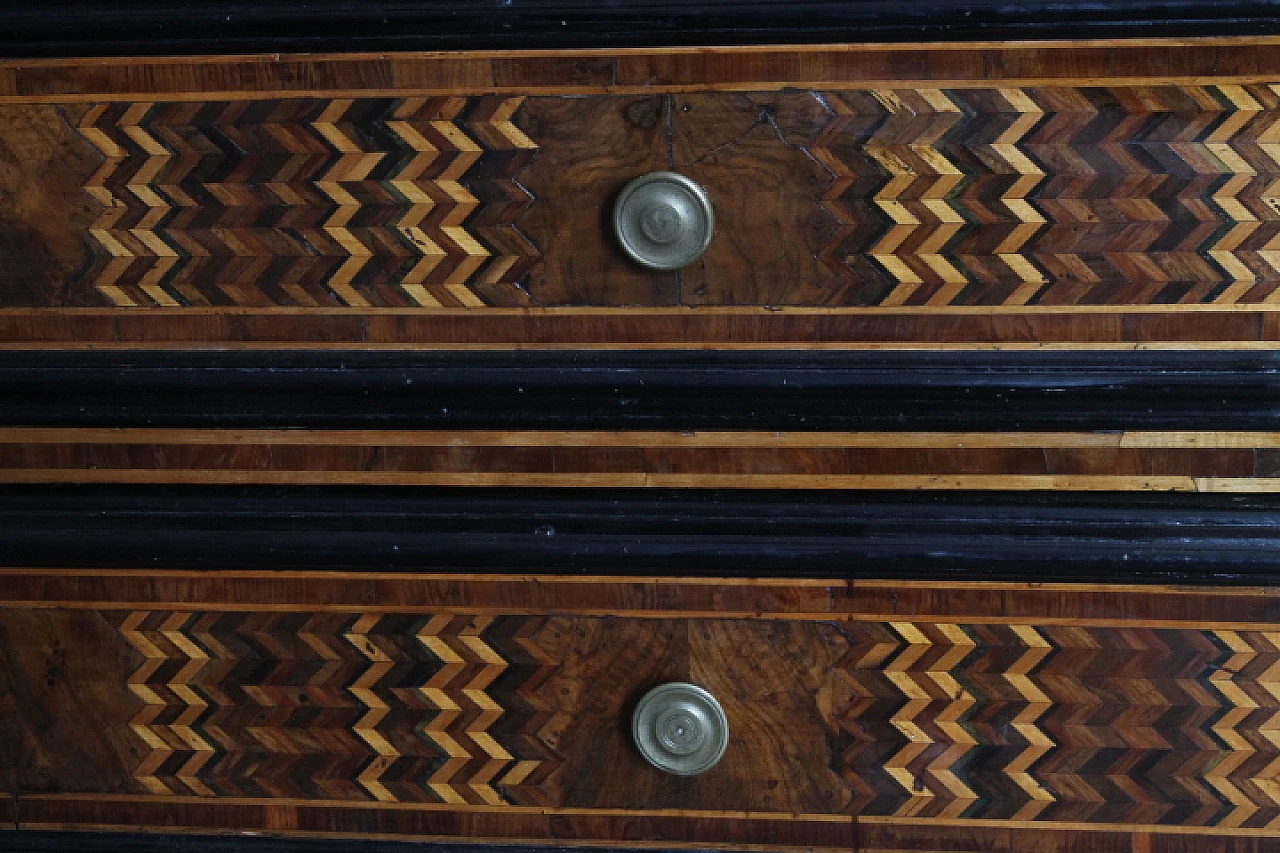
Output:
x,y
1128,196
362,205
415,706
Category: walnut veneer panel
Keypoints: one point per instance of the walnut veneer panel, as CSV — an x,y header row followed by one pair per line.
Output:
x,y
1098,195
418,706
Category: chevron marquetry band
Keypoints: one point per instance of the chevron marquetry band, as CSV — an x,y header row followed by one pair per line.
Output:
x,y
393,202
328,706
1103,725
1056,195
1002,196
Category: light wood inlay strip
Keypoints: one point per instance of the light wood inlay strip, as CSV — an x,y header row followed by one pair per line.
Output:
x,y
709,582
143,313
606,613
1069,826
428,838
442,807
1025,482
576,438
851,346
1246,608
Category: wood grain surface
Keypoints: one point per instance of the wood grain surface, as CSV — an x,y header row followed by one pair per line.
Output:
x,y
44,211
435,707
589,148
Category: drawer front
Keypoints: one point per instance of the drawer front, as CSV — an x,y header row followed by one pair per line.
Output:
x,y
437,706
1108,195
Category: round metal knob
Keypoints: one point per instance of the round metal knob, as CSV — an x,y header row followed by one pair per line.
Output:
x,y
680,728
663,220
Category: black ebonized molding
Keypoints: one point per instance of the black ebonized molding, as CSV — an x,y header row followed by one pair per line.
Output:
x,y
1172,538
30,841
793,391
140,27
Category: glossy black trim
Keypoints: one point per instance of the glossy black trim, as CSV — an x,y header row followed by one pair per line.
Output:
x,y
691,390
973,535
152,27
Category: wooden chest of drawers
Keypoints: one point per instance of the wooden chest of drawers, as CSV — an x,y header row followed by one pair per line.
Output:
x,y
357,484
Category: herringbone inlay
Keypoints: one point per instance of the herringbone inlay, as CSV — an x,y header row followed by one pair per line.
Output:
x,y
1055,195
1119,725
331,706
1099,725
988,196
371,202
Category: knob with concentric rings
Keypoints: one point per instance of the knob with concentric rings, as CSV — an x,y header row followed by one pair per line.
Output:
x,y
663,220
680,728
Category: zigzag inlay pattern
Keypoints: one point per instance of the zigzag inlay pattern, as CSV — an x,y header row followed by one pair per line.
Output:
x,y
1111,725
931,720
332,706
1055,195
369,202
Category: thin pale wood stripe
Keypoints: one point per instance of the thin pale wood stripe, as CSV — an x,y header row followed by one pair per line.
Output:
x,y
670,613
586,438
406,577
735,346
136,312
880,482
1064,826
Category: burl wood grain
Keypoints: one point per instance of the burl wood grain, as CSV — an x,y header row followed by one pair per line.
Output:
x,y
589,149
44,212
751,153
767,676
65,714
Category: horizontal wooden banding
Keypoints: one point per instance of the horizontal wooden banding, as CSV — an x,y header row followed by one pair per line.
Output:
x,y
1128,61
1062,604
459,463
888,837
639,329
35,436
322,820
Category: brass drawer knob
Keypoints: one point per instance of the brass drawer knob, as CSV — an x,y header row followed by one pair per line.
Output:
x,y
680,728
663,220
